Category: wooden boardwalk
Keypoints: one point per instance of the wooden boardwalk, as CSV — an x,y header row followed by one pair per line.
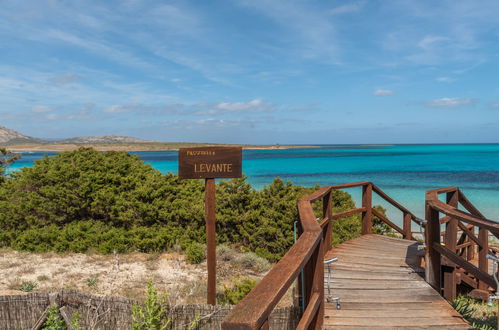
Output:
x,y
381,286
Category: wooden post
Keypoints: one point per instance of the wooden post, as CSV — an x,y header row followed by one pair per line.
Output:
x,y
433,263
450,243
327,212
314,283
211,244
470,250
407,226
209,163
483,249
367,215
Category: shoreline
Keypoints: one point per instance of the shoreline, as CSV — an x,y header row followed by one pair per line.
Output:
x,y
156,146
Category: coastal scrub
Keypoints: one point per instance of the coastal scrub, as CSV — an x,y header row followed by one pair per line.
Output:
x,y
112,201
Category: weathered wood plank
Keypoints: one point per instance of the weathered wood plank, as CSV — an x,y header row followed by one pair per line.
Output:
x,y
377,280
397,321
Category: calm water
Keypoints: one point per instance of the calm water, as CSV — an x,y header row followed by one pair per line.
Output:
x,y
405,172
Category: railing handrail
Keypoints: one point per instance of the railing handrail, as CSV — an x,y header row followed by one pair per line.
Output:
x,y
451,211
253,311
458,252
308,251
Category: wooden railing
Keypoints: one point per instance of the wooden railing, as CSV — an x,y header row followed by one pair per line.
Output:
x,y
307,255
451,253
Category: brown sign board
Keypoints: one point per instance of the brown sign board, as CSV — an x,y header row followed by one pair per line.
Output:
x,y
210,162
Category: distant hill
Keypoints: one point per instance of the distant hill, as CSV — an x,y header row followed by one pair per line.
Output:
x,y
9,136
102,139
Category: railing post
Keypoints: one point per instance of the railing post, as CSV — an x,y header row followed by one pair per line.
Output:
x,y
327,212
433,263
483,249
407,226
367,215
450,243
314,282
470,250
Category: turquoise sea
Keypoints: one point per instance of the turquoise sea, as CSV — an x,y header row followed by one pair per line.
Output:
x,y
404,172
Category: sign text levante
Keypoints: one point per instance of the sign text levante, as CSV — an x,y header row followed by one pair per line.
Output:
x,y
210,162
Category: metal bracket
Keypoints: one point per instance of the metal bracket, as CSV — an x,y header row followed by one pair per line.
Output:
x,y
329,297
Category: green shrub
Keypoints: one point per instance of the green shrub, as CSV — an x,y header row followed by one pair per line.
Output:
x,y
235,293
195,253
28,286
113,201
226,253
6,158
92,281
75,322
477,313
54,320
151,315
250,260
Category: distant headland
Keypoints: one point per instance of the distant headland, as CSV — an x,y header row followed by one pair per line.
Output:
x,y
18,142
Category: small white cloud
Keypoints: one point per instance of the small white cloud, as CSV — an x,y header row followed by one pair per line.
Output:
x,y
449,102
41,108
254,106
118,109
51,116
430,41
383,92
494,105
239,106
347,8
445,79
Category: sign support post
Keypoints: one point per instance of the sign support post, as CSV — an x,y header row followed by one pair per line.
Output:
x,y
209,163
211,241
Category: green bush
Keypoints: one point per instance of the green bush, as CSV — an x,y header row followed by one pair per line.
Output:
x,y
28,286
152,315
477,313
232,295
112,201
195,253
226,253
250,260
54,320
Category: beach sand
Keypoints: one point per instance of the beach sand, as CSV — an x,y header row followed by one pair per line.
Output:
x,y
153,146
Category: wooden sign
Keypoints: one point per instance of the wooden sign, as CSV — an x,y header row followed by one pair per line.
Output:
x,y
209,162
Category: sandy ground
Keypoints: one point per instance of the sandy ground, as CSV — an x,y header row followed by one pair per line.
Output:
x,y
100,274
130,147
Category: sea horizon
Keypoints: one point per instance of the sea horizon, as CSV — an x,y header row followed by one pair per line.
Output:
x,y
404,171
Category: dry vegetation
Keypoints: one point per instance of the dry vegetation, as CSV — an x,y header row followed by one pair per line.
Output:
x,y
124,275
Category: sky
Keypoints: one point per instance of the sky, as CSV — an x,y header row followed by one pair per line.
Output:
x,y
252,71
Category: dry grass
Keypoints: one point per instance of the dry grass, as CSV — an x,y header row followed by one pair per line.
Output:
x,y
94,273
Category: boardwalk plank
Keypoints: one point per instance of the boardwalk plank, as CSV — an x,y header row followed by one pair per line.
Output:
x,y
381,287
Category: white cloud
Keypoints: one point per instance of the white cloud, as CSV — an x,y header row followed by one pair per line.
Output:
x,y
430,41
494,105
42,108
445,79
240,106
449,102
119,108
347,8
383,92
253,106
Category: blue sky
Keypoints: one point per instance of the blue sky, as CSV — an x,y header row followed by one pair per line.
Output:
x,y
252,71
